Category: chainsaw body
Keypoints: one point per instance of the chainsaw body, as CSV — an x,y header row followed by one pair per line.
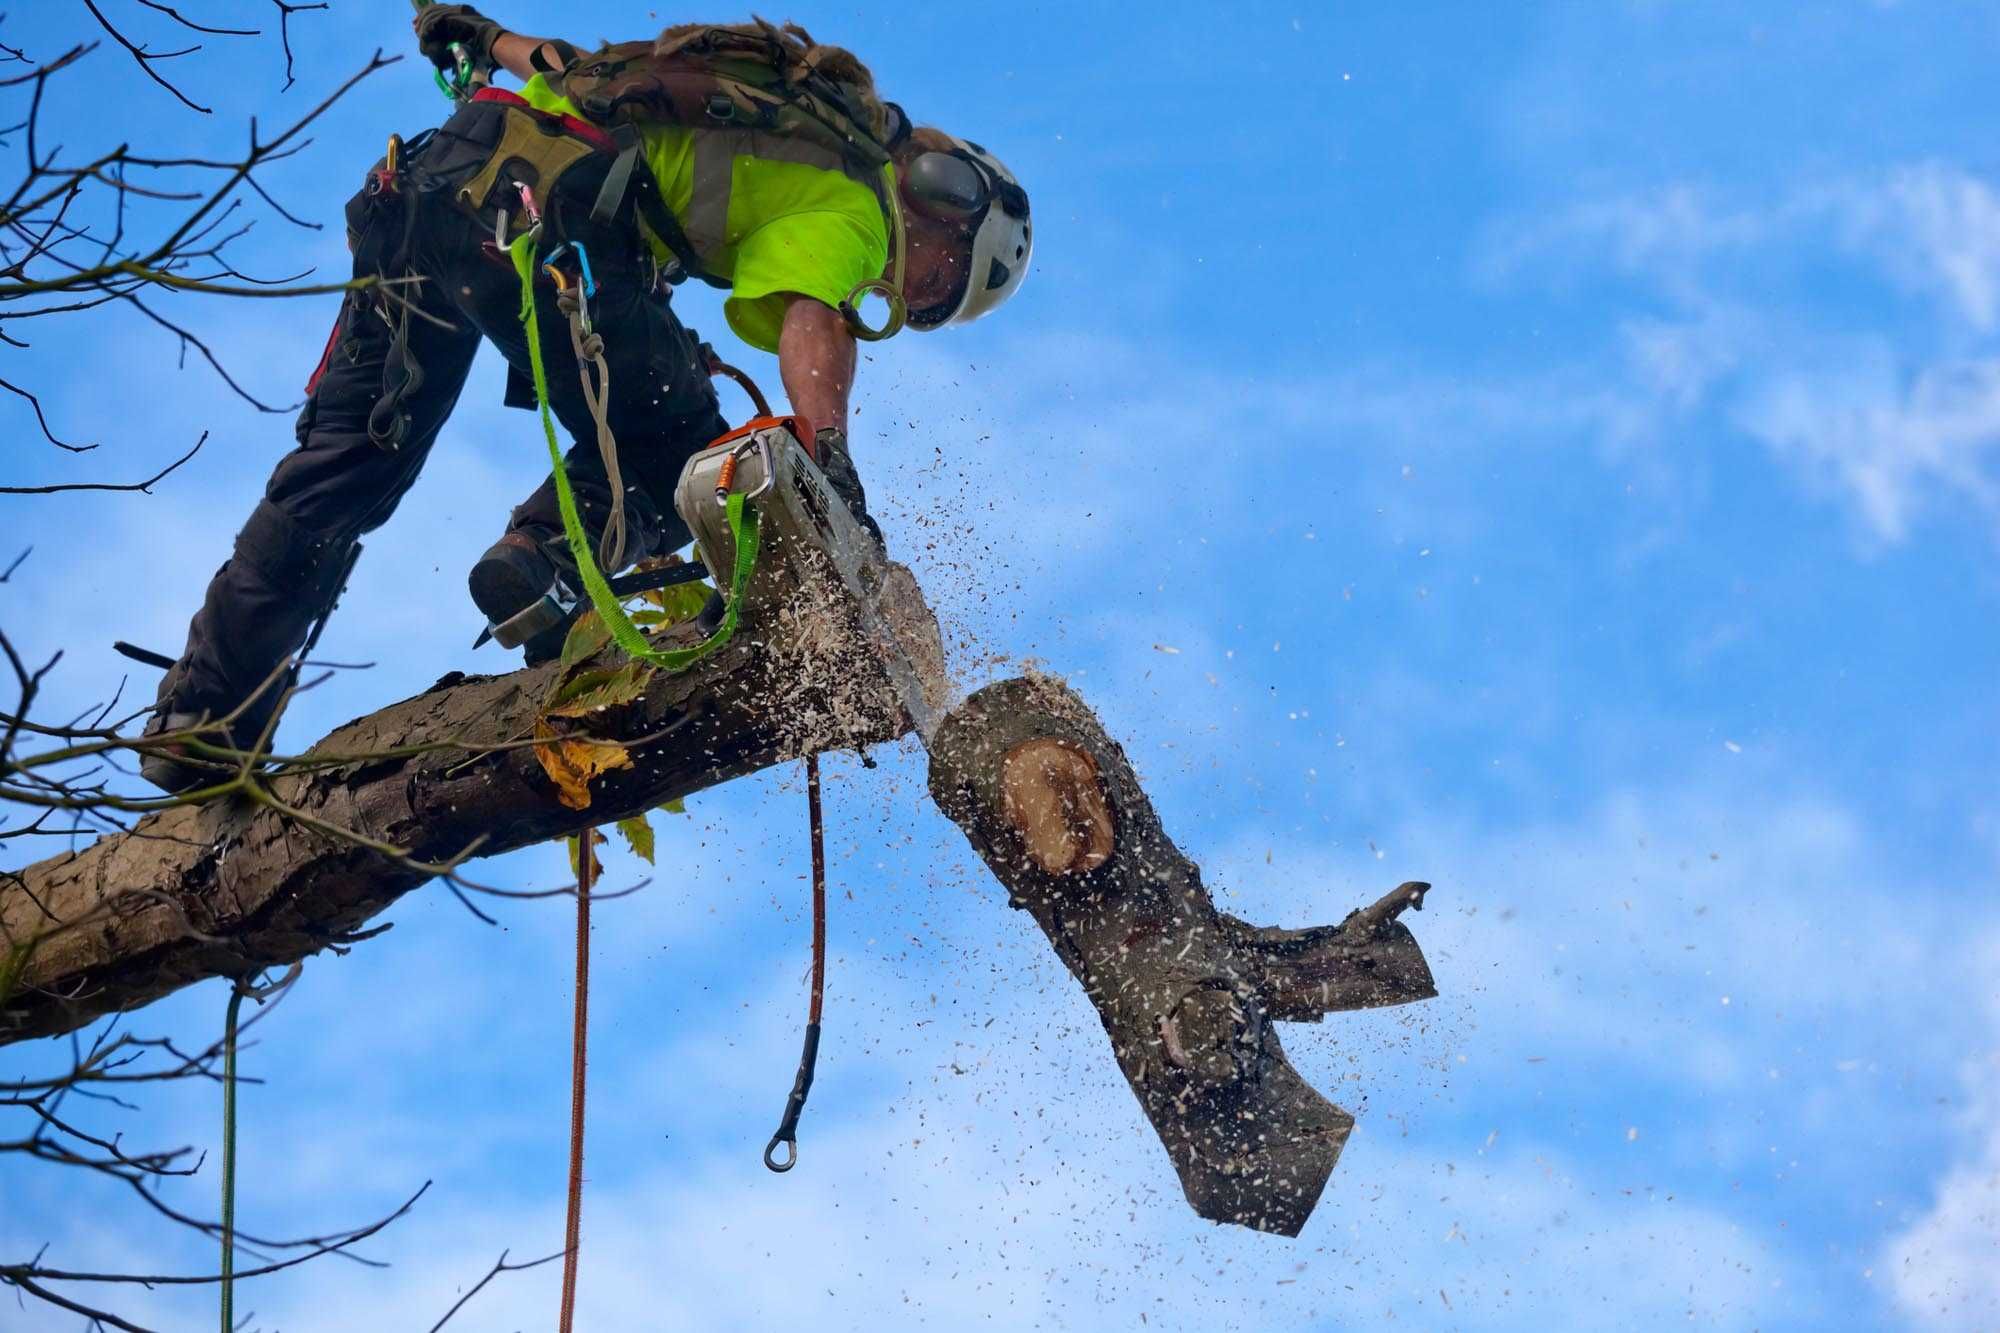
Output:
x,y
768,463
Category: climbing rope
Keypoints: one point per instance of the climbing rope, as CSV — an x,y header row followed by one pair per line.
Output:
x,y
238,992
788,1127
573,298
229,1028
586,865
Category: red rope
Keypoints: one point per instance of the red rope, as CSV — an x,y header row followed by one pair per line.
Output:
x,y
586,866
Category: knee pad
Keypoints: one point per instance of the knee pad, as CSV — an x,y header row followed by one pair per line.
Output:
x,y
286,553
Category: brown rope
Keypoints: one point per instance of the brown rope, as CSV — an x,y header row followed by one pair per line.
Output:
x,y
586,866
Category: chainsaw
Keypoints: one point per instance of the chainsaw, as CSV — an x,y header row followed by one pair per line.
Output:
x,y
769,462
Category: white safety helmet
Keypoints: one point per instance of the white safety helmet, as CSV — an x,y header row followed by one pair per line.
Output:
x,y
970,186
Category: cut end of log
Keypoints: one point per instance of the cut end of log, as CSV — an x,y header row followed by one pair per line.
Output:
x,y
1051,795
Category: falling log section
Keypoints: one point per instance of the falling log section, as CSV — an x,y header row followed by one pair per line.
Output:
x,y
1188,995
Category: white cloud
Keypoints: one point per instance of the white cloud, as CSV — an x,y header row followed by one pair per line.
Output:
x,y
1932,226
1897,418
1939,228
1893,447
1945,1266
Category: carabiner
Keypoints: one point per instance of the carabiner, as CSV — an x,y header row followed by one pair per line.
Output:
x,y
529,210
726,478
460,81
583,264
553,267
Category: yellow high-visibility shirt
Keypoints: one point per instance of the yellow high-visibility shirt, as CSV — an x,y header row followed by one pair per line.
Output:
x,y
791,228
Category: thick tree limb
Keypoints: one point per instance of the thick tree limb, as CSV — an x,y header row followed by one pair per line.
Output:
x,y
230,887
1187,995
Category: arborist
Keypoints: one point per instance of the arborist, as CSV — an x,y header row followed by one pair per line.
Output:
x,y
746,156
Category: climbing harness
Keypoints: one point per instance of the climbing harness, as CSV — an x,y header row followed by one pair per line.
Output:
x,y
795,1104
750,89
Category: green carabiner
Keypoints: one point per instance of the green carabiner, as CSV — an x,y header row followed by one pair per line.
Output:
x,y
461,78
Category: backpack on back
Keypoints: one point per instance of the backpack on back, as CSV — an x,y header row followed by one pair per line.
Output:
x,y
755,77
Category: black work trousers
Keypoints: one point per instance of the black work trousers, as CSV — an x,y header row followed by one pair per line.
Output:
x,y
401,356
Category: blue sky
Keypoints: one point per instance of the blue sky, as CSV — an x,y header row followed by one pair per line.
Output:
x,y
1561,445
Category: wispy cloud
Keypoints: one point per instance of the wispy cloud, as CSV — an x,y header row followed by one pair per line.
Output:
x,y
1898,412
1945,1266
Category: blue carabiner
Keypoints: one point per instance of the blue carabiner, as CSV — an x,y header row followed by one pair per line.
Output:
x,y
553,267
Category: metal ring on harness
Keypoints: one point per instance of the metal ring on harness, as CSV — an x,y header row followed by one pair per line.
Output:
x,y
859,327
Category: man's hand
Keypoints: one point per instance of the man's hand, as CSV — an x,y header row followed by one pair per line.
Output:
x,y
438,26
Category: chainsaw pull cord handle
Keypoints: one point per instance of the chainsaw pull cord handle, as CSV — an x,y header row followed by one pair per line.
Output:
x,y
795,1105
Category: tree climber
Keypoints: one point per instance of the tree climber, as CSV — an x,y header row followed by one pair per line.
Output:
x,y
746,155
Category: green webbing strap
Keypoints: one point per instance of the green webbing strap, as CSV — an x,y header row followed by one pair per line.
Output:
x,y
742,520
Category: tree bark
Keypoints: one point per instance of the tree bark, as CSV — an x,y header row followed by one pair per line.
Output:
x,y
1187,994
231,887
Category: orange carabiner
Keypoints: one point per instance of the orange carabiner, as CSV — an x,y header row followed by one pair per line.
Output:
x,y
725,479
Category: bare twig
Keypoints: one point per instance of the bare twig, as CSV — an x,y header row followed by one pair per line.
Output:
x,y
145,486
500,1266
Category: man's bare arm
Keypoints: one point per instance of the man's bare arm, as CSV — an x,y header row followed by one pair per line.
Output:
x,y
816,358
516,54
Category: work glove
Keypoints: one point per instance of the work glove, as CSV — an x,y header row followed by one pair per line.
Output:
x,y
438,26
830,448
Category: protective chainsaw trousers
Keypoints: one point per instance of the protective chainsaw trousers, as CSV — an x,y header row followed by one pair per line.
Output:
x,y
392,373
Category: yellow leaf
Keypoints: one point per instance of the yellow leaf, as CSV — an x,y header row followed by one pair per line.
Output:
x,y
571,763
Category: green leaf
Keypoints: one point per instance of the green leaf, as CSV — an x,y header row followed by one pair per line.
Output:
x,y
588,691
682,601
587,636
638,836
677,806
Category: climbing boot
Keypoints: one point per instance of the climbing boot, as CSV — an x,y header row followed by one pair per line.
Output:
x,y
174,770
521,593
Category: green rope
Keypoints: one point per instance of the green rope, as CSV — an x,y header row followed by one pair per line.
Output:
x,y
742,520
236,994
